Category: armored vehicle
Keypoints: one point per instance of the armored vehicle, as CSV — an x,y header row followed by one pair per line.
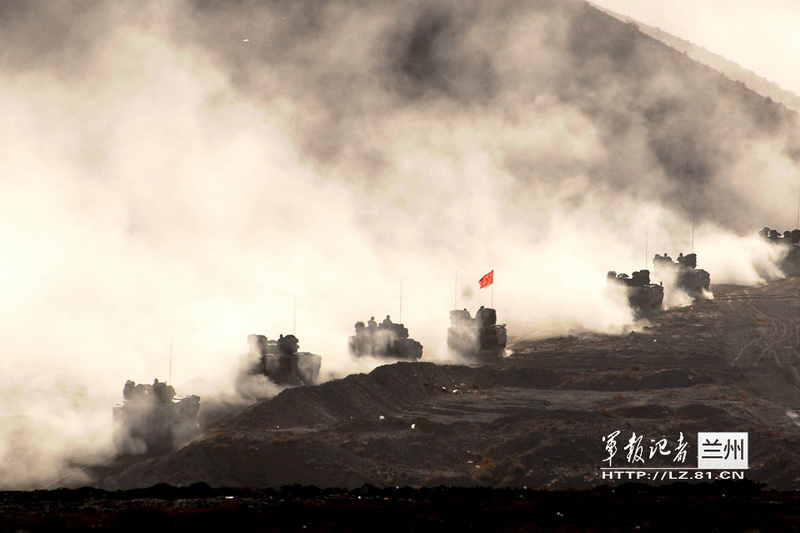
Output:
x,y
281,362
152,419
480,338
790,240
694,281
386,340
788,237
643,297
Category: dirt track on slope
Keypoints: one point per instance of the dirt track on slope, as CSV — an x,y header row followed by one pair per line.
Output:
x,y
761,325
534,419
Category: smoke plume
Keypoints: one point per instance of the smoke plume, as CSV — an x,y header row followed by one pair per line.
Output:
x,y
177,176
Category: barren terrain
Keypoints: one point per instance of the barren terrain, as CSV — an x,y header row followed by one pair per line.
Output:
x,y
535,419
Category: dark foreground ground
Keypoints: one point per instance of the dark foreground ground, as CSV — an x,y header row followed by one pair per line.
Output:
x,y
534,421
723,506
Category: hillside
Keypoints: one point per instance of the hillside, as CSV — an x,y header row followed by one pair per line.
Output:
x,y
728,68
550,90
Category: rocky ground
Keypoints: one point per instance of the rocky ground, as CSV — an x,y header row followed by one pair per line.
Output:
x,y
533,421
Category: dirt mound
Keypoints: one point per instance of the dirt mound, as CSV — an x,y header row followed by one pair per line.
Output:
x,y
385,391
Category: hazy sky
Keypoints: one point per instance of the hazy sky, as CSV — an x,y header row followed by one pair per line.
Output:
x,y
759,35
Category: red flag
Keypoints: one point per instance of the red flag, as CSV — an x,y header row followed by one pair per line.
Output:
x,y
487,280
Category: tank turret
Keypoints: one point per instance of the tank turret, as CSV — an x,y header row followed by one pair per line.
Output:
x,y
151,418
480,338
694,281
387,340
643,297
281,361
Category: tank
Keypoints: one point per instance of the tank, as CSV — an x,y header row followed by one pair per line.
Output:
x,y
790,240
151,418
643,297
281,362
694,281
385,340
480,338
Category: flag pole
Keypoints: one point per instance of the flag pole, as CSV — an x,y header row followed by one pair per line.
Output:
x,y
455,292
492,301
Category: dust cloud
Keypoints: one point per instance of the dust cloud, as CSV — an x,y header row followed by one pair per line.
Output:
x,y
178,176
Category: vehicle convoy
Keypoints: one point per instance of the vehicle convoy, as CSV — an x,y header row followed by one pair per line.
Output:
x,y
643,297
694,281
480,338
386,340
790,240
152,419
280,361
